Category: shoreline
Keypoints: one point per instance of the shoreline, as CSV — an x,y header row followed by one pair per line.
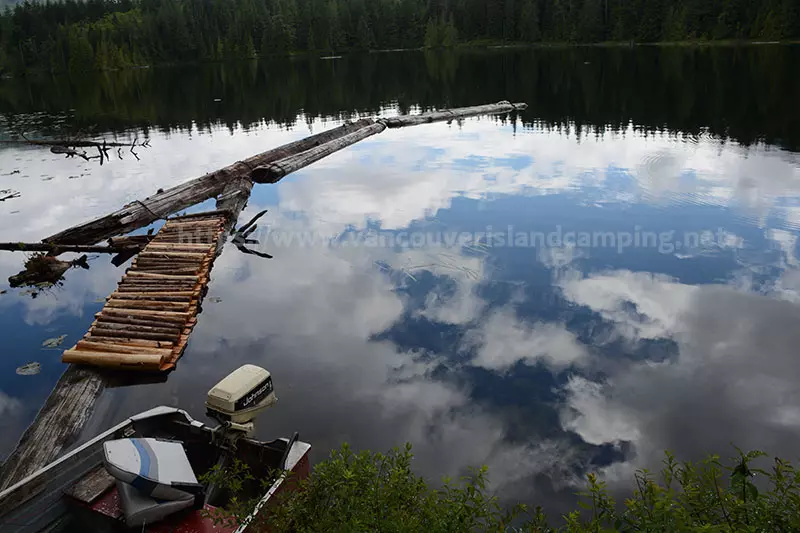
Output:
x,y
328,55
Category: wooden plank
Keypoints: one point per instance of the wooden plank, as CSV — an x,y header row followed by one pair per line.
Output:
x,y
176,316
155,323
160,296
155,264
158,246
91,346
147,304
168,284
202,218
104,332
182,255
166,277
178,263
177,270
165,260
92,485
137,328
132,342
139,361
155,289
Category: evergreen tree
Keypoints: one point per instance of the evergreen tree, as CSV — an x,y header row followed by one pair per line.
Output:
x,y
432,34
365,37
450,34
529,22
81,54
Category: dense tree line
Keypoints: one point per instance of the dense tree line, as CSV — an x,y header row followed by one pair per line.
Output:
x,y
747,94
104,34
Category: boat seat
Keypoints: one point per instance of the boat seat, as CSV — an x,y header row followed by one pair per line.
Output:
x,y
154,478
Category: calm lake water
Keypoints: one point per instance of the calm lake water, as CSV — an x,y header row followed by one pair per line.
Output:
x,y
612,273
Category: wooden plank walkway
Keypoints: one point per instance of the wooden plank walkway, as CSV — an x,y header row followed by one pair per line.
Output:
x,y
145,324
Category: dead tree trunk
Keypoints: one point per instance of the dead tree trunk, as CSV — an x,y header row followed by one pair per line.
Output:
x,y
499,108
142,213
53,249
274,172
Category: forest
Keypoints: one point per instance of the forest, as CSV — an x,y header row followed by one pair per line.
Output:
x,y
88,35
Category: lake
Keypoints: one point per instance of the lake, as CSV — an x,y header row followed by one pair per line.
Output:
x,y
577,287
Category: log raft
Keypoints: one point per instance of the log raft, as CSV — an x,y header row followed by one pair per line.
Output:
x,y
145,324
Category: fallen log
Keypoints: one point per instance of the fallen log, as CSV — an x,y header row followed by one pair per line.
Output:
x,y
54,249
142,361
67,143
142,213
500,108
275,171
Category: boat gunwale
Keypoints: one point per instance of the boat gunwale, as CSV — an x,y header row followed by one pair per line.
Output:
x,y
151,413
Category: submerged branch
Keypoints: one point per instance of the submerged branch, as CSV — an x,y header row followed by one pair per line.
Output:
x,y
70,147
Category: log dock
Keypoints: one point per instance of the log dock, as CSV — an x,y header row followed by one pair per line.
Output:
x,y
145,324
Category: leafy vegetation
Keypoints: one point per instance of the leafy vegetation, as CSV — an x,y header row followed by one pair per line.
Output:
x,y
379,492
107,34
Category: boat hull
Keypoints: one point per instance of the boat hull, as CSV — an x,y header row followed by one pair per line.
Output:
x,y
38,504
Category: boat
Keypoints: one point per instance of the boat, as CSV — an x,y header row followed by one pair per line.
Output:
x,y
145,474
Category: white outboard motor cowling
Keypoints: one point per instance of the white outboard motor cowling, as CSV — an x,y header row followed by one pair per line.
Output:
x,y
239,398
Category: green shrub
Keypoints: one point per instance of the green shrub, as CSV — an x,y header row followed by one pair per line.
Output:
x,y
367,491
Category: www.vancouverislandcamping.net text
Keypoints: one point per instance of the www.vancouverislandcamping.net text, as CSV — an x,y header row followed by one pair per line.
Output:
x,y
666,242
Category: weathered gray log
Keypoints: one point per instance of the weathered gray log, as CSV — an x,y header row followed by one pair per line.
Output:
x,y
67,144
57,425
499,108
142,213
275,171
233,200
54,249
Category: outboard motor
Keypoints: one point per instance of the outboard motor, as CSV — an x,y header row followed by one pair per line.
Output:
x,y
237,400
